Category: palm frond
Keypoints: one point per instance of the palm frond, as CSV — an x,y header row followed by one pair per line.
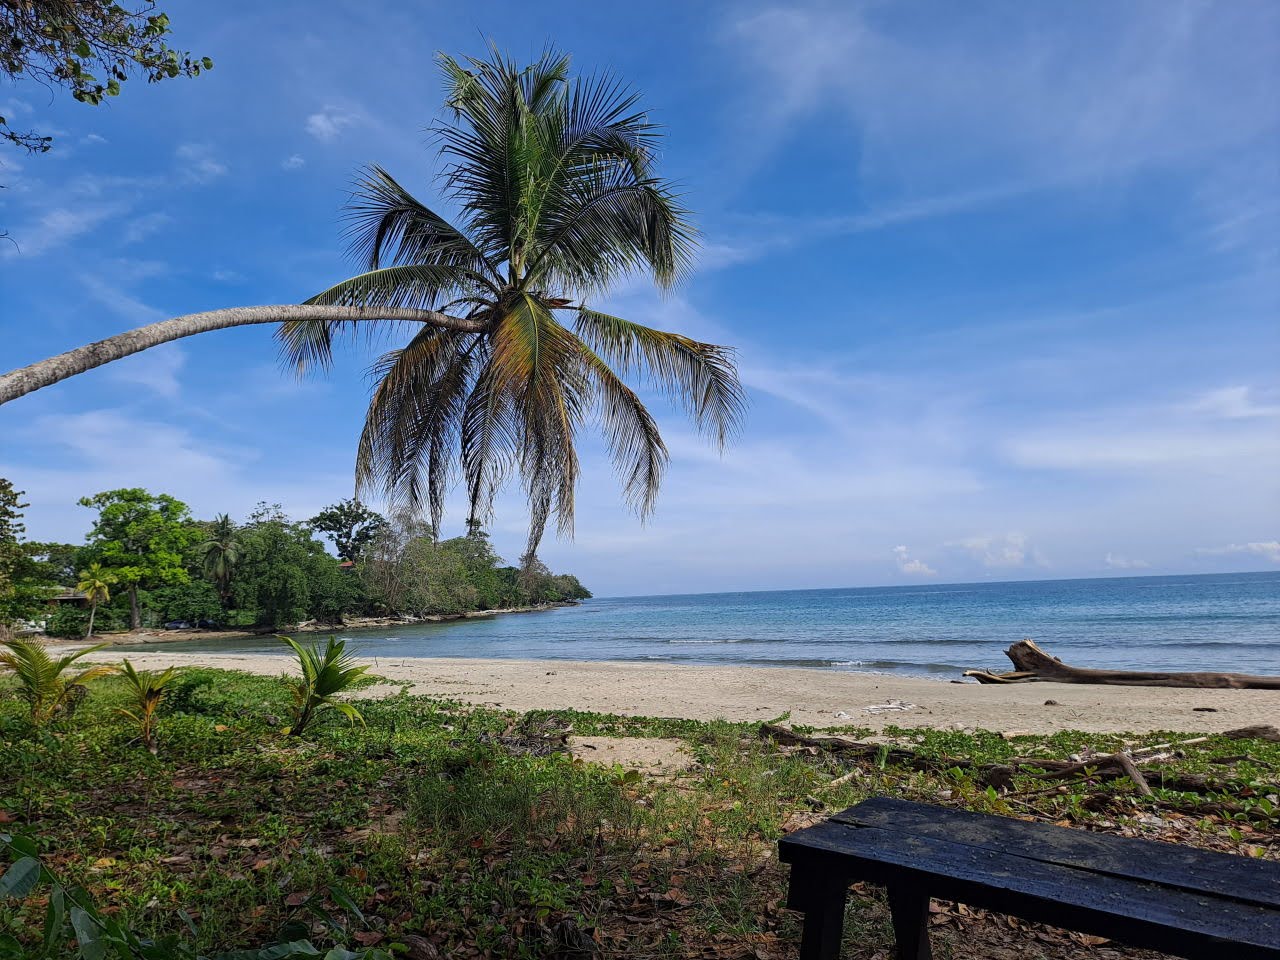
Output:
x,y
309,344
42,680
632,434
702,377
537,363
326,672
490,442
387,226
412,426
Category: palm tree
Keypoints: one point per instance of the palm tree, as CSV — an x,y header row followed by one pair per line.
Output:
x,y
558,199
95,583
220,554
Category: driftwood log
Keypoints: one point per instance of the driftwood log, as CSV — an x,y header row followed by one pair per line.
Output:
x,y
1033,664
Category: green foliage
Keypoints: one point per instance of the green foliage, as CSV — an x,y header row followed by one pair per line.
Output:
x,y
284,573
67,621
11,531
269,571
350,525
73,925
326,672
407,570
43,682
146,688
25,582
56,563
86,47
429,825
141,537
191,601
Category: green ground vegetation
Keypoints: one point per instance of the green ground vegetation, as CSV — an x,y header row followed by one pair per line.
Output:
x,y
435,829
147,562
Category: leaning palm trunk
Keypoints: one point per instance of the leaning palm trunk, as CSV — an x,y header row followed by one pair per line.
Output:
x,y
18,383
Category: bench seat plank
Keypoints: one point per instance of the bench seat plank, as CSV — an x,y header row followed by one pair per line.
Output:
x,y
1147,914
1245,879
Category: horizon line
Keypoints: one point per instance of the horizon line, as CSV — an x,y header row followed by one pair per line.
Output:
x,y
961,583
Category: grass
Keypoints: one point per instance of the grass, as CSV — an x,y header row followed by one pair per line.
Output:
x,y
421,831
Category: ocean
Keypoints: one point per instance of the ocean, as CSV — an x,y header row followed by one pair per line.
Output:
x,y
1209,622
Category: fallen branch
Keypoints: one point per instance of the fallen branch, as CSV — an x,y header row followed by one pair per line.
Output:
x,y
1134,774
1109,766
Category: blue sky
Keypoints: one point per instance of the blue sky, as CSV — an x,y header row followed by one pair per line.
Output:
x,y
1004,278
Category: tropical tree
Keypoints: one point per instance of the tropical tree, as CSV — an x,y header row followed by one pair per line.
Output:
x,y
555,179
95,583
141,538
42,680
350,525
220,553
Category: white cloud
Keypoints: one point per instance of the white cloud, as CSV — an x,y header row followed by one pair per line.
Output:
x,y
139,228
93,138
1117,562
122,304
1232,403
1266,549
328,123
1001,550
1156,436
198,164
293,162
906,564
57,227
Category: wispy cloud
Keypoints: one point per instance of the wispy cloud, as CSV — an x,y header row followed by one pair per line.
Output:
x,y
327,124
1001,550
1232,403
122,304
1266,549
139,228
198,164
293,162
57,227
1214,428
1103,97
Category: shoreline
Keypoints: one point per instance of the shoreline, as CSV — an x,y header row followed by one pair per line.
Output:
x,y
817,698
153,635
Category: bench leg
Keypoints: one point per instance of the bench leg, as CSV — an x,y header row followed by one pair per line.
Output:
x,y
824,923
909,905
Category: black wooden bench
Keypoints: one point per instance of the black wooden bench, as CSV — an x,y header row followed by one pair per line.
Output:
x,y
1163,896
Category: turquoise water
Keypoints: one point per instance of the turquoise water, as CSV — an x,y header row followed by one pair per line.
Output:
x,y
1225,622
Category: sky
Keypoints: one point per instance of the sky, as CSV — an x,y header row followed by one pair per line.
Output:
x,y
1003,278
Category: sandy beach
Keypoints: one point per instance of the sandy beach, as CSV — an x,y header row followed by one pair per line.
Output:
x,y
820,698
